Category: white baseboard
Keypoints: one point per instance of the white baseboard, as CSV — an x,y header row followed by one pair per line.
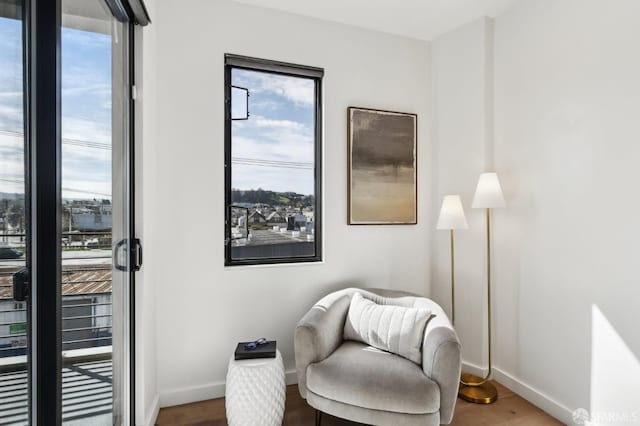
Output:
x,y
291,377
468,367
534,396
206,391
216,390
153,412
179,396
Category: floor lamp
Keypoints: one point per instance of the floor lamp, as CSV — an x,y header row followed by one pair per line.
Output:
x,y
488,196
452,218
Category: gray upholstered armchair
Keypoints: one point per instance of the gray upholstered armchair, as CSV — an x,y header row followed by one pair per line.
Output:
x,y
356,382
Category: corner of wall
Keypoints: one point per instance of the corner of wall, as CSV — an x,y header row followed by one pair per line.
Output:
x,y
152,411
462,134
489,105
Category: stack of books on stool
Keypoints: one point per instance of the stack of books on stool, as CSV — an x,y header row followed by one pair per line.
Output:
x,y
261,348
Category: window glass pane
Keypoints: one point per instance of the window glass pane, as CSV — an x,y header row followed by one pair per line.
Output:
x,y
14,395
94,164
273,167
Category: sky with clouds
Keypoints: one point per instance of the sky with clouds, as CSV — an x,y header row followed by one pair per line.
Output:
x,y
86,112
274,148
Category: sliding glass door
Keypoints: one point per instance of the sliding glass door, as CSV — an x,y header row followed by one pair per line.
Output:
x,y
95,214
66,252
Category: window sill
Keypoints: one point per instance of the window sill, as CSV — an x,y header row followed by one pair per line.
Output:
x,y
273,265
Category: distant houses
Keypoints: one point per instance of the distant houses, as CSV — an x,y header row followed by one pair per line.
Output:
x,y
256,217
92,221
262,216
90,215
276,217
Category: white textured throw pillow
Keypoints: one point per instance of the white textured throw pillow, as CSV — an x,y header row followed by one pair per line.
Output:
x,y
395,329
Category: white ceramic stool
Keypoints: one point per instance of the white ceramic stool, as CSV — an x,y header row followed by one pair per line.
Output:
x,y
255,392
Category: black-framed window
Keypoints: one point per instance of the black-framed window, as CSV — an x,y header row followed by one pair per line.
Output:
x,y
273,162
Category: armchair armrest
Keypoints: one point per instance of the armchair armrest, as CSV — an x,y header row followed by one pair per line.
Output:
x,y
441,361
319,333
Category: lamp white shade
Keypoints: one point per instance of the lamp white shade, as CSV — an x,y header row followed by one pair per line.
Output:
x,y
488,193
452,214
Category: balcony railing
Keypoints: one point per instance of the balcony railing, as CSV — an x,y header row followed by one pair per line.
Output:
x,y
86,297
86,332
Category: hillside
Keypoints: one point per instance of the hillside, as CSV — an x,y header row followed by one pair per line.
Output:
x,y
273,198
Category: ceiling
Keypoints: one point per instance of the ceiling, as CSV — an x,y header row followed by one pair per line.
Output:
x,y
422,19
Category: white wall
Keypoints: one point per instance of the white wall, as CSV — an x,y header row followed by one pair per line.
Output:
x,y
203,308
567,96
561,77
567,102
461,130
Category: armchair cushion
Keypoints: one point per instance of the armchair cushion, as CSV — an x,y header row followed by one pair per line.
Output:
x,y
395,329
367,377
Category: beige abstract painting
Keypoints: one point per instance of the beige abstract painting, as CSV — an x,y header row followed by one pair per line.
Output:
x,y
382,167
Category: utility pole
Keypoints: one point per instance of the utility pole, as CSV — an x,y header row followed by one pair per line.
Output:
x,y
6,217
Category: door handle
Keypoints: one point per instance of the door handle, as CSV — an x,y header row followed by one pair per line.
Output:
x,y
116,256
136,254
133,251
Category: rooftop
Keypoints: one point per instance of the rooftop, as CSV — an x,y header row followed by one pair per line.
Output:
x,y
270,236
76,280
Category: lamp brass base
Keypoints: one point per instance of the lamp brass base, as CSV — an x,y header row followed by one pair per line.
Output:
x,y
478,391
471,379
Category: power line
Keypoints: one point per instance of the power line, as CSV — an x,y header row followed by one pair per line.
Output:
x,y
298,163
80,191
272,163
87,144
66,141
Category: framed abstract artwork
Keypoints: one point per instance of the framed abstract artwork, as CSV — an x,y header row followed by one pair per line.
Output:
x,y
382,167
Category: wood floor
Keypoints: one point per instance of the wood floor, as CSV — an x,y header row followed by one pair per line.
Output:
x,y
509,410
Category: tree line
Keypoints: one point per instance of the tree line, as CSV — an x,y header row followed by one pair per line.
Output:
x,y
273,198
